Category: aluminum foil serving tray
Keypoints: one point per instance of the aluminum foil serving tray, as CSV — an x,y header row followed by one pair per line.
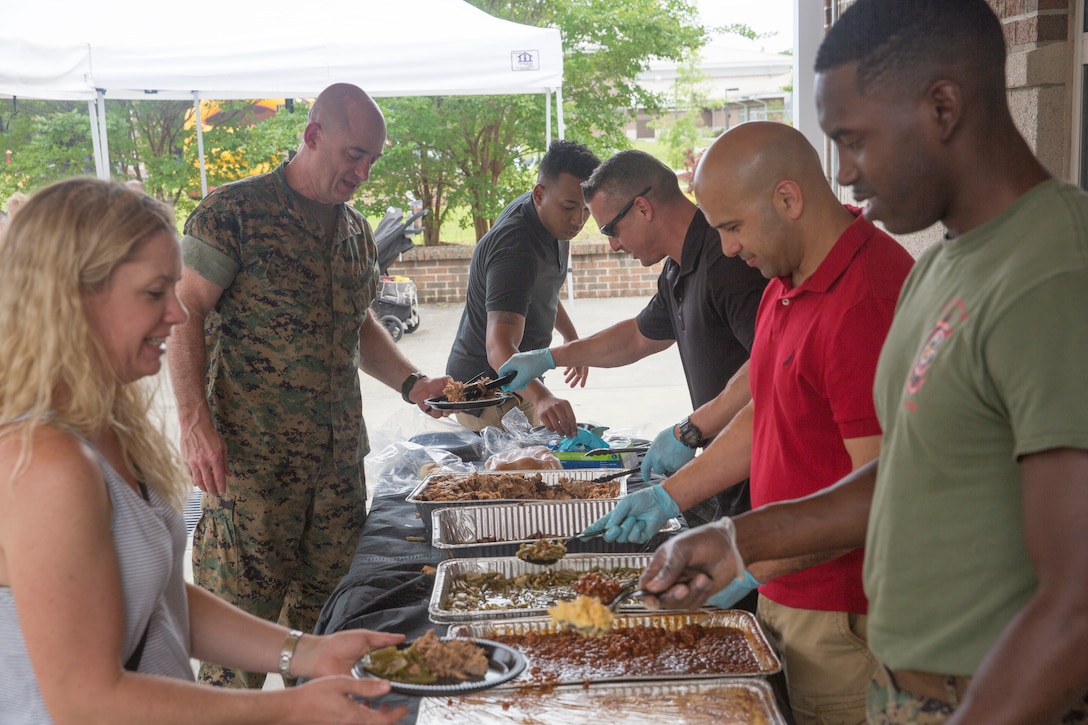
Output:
x,y
768,662
442,610
426,508
717,701
498,529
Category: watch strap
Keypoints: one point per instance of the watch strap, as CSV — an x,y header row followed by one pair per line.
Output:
x,y
409,383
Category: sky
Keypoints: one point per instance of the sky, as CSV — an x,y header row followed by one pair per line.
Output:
x,y
762,16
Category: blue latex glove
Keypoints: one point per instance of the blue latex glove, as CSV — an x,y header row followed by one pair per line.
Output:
x,y
637,517
666,455
734,592
583,441
529,366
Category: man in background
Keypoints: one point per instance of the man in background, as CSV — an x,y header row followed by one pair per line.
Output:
x,y
512,300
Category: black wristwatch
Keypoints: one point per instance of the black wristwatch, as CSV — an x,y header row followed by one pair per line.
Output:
x,y
689,434
408,384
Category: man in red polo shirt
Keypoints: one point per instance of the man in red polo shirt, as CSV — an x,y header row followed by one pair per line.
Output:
x,y
835,279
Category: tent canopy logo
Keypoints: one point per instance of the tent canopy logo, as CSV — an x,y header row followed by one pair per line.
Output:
x,y
524,60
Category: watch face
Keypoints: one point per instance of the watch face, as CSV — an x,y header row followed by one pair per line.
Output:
x,y
690,436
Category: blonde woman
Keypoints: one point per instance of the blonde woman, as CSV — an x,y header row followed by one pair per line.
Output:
x,y
96,621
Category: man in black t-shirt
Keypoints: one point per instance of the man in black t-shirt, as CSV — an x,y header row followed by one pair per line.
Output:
x,y
512,301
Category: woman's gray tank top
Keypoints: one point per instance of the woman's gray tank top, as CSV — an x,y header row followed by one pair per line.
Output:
x,y
149,537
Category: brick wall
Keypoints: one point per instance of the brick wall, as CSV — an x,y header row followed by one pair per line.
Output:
x,y
441,273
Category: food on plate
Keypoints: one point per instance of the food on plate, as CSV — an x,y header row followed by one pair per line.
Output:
x,y
583,614
542,550
594,584
458,392
478,486
477,591
430,660
568,656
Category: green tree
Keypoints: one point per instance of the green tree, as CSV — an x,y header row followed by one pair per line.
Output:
x,y
48,140
680,131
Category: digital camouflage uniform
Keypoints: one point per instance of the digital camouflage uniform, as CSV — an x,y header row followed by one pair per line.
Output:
x,y
283,386
888,705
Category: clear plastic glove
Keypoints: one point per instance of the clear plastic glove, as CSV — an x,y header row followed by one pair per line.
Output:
x,y
637,517
529,366
666,455
735,591
686,569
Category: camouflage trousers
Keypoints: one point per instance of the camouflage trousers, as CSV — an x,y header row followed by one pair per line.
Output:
x,y
886,704
276,544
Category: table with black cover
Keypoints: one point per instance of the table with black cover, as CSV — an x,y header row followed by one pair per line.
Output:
x,y
386,589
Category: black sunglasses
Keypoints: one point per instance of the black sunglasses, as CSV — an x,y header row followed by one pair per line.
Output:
x,y
609,229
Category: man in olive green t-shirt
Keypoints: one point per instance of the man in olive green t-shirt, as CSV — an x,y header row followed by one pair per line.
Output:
x,y
973,516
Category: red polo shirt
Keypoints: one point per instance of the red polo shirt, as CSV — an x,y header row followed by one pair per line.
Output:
x,y
813,361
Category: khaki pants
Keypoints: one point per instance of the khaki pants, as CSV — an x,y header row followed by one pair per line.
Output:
x,y
826,659
276,544
492,416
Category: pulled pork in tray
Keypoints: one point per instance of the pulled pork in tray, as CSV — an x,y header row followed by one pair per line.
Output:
x,y
429,660
493,486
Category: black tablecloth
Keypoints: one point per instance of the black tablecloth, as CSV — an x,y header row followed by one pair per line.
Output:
x,y
386,589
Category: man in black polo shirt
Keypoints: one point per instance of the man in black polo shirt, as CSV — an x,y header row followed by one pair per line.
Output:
x,y
512,302
705,302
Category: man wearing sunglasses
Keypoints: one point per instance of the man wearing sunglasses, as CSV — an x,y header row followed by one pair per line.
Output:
x,y
705,302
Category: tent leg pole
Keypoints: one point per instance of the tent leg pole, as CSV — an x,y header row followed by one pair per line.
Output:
x,y
103,144
547,120
200,145
92,112
559,112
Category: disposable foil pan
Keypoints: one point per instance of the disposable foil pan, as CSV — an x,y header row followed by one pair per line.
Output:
x,y
498,529
426,508
766,658
716,701
440,608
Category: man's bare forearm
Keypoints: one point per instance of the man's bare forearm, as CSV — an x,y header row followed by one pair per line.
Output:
x,y
827,523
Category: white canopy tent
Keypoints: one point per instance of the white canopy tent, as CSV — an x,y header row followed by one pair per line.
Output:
x,y
247,49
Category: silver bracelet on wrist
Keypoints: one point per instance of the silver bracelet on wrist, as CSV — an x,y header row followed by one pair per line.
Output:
x,y
288,652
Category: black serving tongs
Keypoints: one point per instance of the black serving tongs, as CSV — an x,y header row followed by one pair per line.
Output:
x,y
474,390
609,451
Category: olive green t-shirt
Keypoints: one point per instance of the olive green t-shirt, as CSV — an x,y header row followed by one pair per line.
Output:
x,y
984,363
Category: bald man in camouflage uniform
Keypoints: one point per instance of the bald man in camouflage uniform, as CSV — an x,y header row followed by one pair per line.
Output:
x,y
280,271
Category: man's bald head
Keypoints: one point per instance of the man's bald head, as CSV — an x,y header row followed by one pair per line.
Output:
x,y
752,158
342,103
344,137
761,185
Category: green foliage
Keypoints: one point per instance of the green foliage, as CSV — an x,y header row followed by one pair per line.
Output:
x,y
48,141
